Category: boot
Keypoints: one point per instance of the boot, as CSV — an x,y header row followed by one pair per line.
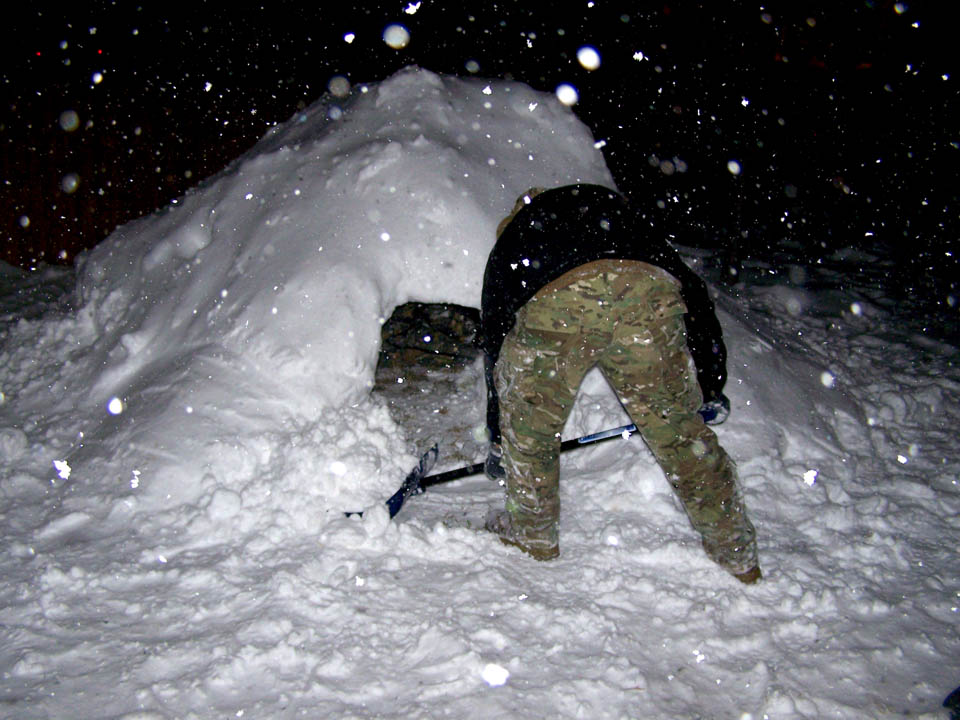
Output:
x,y
539,543
750,577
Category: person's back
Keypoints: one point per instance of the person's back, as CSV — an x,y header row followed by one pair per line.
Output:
x,y
556,230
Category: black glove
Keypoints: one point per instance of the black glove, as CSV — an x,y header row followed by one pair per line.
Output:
x,y
492,466
715,411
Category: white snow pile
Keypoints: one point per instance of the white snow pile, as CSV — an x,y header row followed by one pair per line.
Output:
x,y
179,439
237,333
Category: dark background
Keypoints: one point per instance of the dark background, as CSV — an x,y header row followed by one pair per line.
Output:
x,y
842,115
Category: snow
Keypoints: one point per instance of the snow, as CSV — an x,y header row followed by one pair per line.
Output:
x,y
181,432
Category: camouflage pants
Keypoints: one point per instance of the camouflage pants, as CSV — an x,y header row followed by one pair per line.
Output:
x,y
627,318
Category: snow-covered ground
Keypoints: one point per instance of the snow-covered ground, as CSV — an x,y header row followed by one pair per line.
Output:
x,y
180,435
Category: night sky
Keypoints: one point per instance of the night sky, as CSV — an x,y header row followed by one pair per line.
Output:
x,y
842,116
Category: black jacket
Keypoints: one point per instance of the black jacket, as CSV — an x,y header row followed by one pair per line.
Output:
x,y
564,228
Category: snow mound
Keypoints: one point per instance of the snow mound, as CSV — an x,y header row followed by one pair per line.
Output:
x,y
245,319
177,447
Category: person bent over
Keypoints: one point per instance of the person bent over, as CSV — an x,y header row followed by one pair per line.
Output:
x,y
572,284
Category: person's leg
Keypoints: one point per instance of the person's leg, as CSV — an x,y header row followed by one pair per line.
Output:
x,y
538,374
653,373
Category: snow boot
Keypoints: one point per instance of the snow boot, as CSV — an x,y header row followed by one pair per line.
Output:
x,y
539,543
750,577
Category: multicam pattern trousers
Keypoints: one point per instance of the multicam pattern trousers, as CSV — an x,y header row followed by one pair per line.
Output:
x,y
627,318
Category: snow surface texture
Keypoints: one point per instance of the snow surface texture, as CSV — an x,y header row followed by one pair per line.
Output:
x,y
178,446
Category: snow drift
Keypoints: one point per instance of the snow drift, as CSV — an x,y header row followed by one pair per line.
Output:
x,y
254,304
177,445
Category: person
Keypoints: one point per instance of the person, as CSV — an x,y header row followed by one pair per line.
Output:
x,y
573,282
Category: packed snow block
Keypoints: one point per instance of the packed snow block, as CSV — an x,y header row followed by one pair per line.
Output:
x,y
254,304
